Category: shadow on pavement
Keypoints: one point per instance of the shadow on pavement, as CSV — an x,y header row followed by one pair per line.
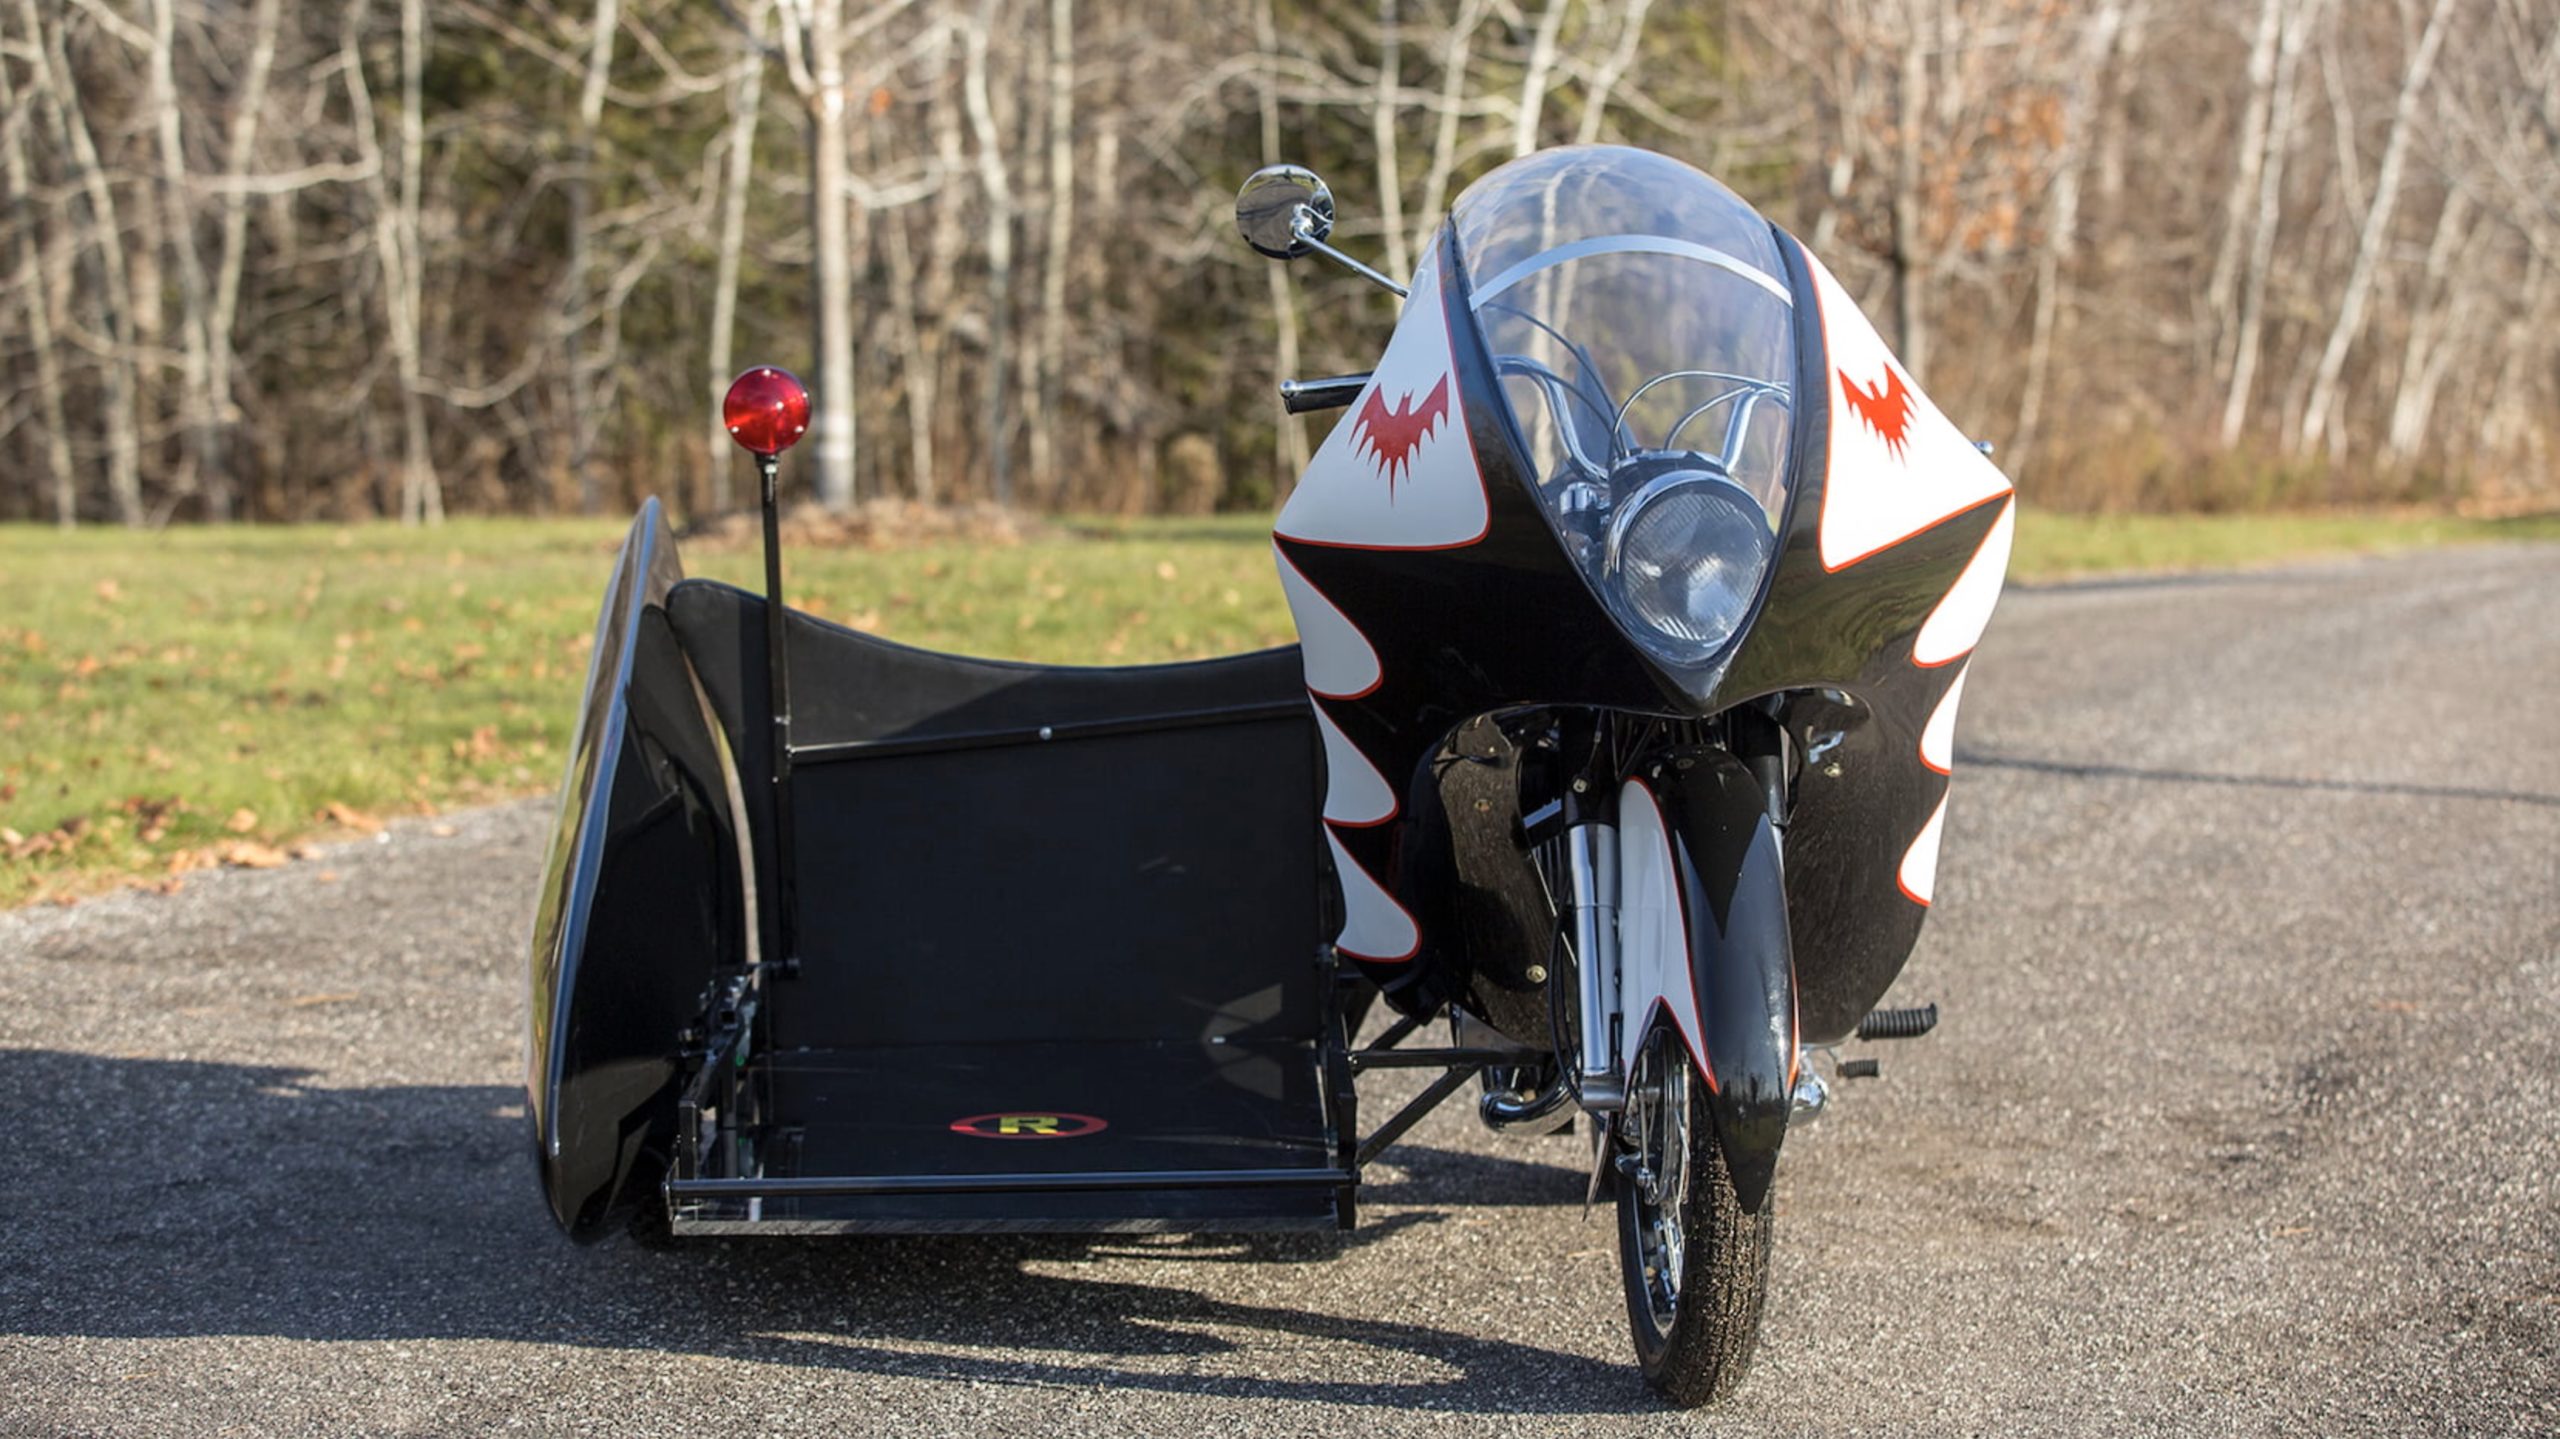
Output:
x,y
169,1198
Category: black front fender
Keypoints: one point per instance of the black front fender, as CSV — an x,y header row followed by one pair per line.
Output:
x,y
1730,877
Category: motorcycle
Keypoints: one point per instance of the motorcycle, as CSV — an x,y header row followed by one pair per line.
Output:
x,y
1635,598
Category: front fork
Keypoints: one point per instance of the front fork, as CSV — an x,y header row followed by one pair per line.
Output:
x,y
1591,869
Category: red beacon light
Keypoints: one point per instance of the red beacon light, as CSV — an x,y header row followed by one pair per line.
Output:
x,y
766,410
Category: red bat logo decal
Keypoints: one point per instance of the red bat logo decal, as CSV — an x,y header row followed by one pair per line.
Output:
x,y
1886,408
1391,436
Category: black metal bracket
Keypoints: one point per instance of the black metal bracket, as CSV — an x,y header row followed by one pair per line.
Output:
x,y
777,663
1420,1105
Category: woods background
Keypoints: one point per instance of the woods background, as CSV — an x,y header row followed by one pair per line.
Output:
x,y
324,260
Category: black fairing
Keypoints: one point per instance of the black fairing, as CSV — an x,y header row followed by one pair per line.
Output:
x,y
1504,622
645,822
1733,895
1508,622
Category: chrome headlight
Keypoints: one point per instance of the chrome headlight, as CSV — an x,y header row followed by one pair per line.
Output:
x,y
1685,560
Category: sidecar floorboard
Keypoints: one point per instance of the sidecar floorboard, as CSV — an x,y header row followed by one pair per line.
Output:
x,y
1190,1136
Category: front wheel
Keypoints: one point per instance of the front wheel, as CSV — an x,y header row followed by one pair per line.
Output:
x,y
1696,1262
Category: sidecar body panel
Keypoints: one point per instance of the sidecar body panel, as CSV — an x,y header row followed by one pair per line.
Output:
x,y
641,903
1052,944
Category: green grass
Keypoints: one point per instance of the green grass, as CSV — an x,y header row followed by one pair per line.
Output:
x,y
174,700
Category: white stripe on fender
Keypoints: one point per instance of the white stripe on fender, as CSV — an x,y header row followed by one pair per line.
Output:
x,y
1354,791
1339,661
1653,935
1955,626
1374,926
1938,740
1919,874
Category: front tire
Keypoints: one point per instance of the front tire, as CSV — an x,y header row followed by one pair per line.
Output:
x,y
1696,1262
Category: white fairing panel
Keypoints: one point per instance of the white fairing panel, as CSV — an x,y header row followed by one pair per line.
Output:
x,y
1339,661
1398,472
1956,625
1898,466
1938,739
1653,936
1354,792
1374,926
1919,876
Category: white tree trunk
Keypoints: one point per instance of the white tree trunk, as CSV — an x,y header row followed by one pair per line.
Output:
x,y
232,258
2062,231
2283,124
738,175
35,292
832,265
1059,258
999,240
117,369
1533,85
1385,99
2377,226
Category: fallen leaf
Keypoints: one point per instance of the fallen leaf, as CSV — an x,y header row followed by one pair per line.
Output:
x,y
247,854
442,831
306,1001
242,821
347,816
328,876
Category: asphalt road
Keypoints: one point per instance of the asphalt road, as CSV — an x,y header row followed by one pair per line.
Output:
x,y
2245,1118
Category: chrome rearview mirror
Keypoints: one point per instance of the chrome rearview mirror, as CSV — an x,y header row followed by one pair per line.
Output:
x,y
1284,211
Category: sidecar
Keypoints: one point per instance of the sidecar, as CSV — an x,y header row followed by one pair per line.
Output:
x,y
979,946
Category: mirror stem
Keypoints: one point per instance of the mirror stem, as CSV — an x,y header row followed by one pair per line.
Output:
x,y
1306,237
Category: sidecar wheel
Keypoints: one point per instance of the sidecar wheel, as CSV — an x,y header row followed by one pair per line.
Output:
x,y
1696,1262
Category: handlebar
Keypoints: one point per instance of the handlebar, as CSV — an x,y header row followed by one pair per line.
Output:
x,y
1331,392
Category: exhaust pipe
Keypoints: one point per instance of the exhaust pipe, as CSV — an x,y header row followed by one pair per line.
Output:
x,y
1544,1112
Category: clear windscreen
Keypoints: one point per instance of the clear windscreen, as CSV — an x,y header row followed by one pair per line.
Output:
x,y
1640,319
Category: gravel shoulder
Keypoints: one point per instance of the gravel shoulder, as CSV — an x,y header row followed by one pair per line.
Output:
x,y
2245,1119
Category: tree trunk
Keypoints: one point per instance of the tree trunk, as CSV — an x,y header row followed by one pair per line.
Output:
x,y
2062,232
1290,438
1384,102
746,97
35,291
233,257
114,293
1060,251
999,239
576,303
2282,123
1454,57
2220,291
1622,56
1911,260
196,411
831,267
2377,226
1533,85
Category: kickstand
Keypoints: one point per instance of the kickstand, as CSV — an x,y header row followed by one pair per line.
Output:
x,y
1600,1127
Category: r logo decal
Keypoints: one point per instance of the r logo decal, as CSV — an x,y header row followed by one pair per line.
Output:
x,y
1028,1124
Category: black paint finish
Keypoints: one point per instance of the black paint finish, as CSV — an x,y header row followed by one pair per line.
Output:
x,y
1733,896
641,905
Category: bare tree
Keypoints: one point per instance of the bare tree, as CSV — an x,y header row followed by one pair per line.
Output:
x,y
2377,224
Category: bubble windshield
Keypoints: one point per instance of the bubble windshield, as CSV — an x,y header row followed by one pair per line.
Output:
x,y
1641,320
